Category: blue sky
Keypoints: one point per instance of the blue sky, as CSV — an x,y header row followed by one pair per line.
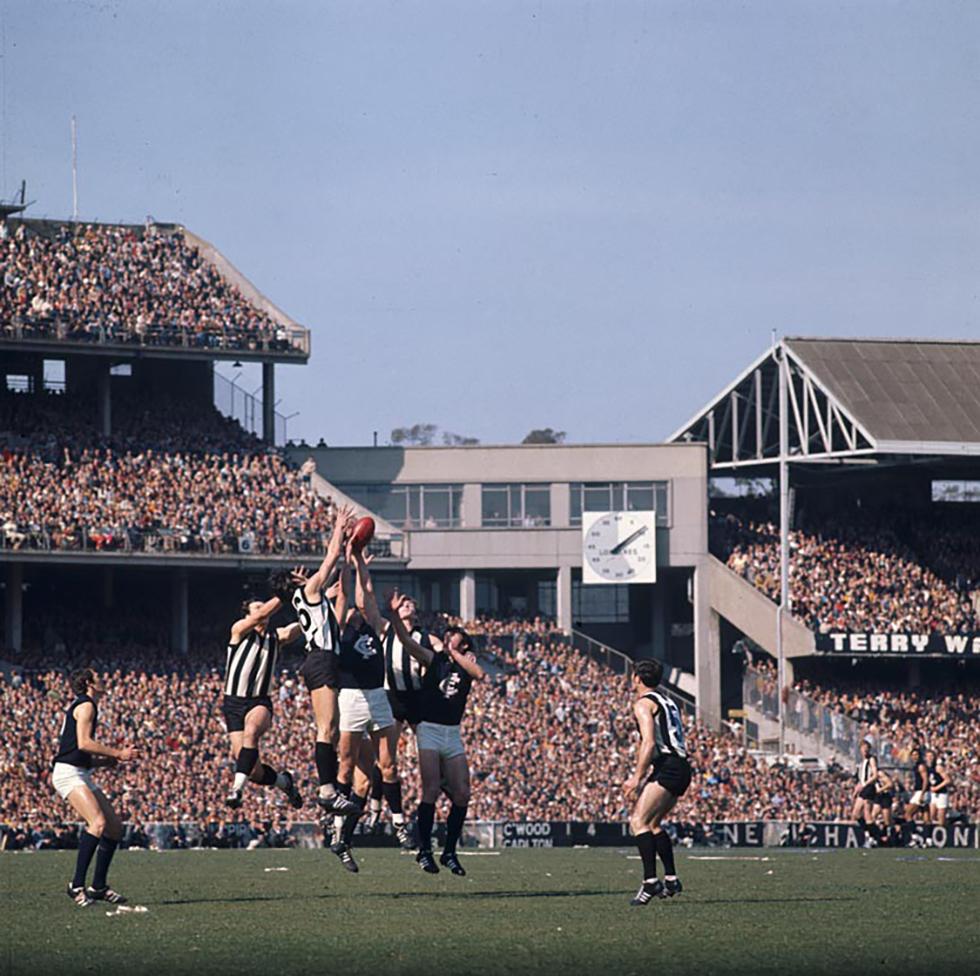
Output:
x,y
499,215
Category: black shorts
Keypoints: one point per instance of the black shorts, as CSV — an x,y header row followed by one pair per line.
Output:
x,y
673,773
406,706
869,792
235,709
884,799
321,669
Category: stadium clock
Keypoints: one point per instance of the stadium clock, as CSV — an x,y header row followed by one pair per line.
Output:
x,y
619,547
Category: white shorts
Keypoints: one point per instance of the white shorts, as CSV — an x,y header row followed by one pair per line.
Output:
x,y
65,777
920,798
364,710
444,739
940,800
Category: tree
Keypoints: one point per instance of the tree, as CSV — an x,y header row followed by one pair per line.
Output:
x,y
419,435
545,435
458,440
422,435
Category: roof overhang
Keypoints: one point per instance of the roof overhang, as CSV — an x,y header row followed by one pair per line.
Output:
x,y
741,425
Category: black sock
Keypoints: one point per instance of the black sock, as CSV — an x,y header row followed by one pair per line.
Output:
x,y
247,758
350,822
267,777
665,849
454,827
87,844
392,793
426,818
647,845
377,783
343,789
103,858
326,764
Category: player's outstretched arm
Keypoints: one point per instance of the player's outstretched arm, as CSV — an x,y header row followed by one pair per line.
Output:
x,y
467,662
84,716
248,623
287,635
335,547
364,596
421,653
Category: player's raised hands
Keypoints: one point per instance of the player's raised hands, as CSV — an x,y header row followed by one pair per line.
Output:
x,y
299,575
394,600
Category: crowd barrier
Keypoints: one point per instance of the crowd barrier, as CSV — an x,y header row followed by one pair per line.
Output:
x,y
544,834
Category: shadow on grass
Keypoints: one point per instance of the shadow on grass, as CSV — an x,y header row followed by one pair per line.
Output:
x,y
240,900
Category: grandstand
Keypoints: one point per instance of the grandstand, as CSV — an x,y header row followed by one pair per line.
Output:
x,y
880,440
133,513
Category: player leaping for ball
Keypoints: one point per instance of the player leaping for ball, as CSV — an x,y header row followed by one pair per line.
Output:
x,y
662,776
250,667
312,602
364,706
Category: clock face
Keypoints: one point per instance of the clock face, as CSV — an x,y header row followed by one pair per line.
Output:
x,y
619,547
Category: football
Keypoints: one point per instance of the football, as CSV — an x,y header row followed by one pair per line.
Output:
x,y
363,533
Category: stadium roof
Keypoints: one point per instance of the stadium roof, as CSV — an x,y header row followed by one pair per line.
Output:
x,y
846,398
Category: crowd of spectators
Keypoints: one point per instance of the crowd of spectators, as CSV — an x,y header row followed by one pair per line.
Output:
x,y
550,736
121,284
858,577
171,478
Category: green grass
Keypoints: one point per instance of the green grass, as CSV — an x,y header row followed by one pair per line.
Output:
x,y
522,911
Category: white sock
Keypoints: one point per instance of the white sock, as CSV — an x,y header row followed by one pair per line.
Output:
x,y
327,789
240,780
398,818
670,877
375,806
338,826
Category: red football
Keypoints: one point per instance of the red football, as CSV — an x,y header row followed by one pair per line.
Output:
x,y
363,533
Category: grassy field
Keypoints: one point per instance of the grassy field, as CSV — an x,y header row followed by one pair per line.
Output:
x,y
517,911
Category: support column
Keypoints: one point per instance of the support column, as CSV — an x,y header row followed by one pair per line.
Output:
x,y
108,588
104,416
467,595
707,651
658,599
563,598
13,617
269,403
178,616
37,375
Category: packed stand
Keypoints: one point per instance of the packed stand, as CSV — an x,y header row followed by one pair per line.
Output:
x,y
848,578
106,283
171,478
550,737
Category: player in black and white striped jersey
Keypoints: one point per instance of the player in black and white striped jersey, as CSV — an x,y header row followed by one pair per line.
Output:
x,y
250,667
314,603
661,777
403,684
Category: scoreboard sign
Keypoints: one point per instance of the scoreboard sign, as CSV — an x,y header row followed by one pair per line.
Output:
x,y
911,645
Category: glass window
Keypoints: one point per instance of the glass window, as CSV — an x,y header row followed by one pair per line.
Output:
x,y
548,598
619,496
411,506
496,505
537,505
600,604
516,506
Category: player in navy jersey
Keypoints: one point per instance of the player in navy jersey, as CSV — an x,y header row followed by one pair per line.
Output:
x,y
661,777
447,677
365,712
79,752
250,667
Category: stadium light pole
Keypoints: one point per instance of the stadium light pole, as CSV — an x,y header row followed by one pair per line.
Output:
x,y
783,366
